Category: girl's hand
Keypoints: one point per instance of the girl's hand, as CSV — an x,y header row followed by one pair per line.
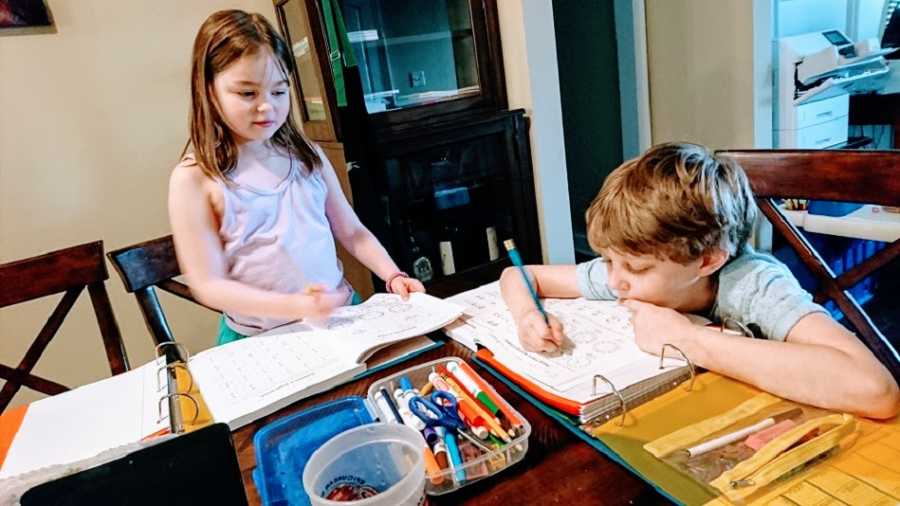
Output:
x,y
404,286
536,335
316,303
655,326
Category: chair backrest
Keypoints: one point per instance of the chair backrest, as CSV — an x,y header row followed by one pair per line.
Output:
x,y
870,177
145,266
68,270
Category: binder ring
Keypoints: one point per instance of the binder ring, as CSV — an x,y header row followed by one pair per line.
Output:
x,y
183,351
176,365
662,356
740,326
615,391
159,416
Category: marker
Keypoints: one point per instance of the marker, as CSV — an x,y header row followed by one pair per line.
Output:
x,y
513,419
440,453
456,462
463,378
386,405
403,407
432,469
430,435
464,397
473,420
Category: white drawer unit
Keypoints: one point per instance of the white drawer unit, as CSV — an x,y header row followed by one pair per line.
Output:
x,y
820,111
820,136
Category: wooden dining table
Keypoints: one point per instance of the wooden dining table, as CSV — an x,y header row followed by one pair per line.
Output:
x,y
559,468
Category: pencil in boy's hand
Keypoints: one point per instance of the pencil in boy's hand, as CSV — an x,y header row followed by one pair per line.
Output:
x,y
514,257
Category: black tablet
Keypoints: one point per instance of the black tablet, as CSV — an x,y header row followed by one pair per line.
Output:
x,y
196,468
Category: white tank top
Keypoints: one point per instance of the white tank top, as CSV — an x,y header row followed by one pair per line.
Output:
x,y
278,239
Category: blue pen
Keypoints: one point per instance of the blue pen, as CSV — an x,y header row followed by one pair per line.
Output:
x,y
456,462
514,257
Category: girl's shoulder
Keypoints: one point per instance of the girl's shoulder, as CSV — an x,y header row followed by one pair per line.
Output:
x,y
188,172
189,176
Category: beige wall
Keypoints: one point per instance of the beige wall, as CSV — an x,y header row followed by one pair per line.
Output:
x,y
92,118
700,62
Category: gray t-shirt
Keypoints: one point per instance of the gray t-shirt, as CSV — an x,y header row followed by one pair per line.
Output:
x,y
756,292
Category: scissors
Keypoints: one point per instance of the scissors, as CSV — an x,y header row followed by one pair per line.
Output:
x,y
440,409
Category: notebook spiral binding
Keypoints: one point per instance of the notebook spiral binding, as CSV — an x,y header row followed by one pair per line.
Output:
x,y
178,359
637,396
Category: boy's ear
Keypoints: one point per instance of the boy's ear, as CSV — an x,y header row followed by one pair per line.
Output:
x,y
712,261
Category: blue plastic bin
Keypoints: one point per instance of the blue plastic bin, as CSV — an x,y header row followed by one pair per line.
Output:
x,y
283,448
841,254
830,208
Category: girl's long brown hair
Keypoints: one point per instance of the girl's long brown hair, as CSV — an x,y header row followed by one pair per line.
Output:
x,y
223,38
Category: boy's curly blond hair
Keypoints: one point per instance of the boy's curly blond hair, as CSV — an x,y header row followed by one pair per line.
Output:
x,y
676,201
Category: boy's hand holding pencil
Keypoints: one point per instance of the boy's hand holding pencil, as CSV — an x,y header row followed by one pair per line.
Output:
x,y
538,334
538,330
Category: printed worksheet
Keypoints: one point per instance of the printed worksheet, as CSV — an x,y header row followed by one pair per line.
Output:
x,y
250,378
599,339
384,318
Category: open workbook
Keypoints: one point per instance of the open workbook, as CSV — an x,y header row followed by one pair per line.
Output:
x,y
234,384
599,340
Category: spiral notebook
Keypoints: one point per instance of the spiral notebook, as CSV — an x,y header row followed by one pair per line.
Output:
x,y
234,384
600,371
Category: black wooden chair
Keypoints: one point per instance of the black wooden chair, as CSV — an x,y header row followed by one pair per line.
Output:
x,y
145,266
68,270
870,177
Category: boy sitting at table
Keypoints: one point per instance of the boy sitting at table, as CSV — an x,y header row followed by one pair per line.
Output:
x,y
671,227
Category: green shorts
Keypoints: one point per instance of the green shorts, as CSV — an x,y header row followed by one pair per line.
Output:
x,y
227,334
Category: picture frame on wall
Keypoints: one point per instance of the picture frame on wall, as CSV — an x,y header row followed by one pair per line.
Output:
x,y
17,14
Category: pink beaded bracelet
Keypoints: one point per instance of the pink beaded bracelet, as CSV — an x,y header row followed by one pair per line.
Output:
x,y
391,278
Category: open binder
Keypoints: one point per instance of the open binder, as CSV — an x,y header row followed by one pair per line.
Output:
x,y
599,373
234,384
90,424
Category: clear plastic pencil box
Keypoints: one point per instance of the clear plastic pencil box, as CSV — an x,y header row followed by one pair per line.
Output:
x,y
283,447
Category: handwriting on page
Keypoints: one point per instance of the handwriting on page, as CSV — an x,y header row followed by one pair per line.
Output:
x,y
380,315
601,335
247,372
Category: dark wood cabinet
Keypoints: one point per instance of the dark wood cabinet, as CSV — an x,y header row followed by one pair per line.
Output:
x,y
414,91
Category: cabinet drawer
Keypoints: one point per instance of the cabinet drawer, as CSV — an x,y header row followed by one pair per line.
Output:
x,y
821,111
823,135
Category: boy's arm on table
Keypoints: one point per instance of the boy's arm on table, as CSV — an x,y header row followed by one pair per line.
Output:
x,y
358,240
202,261
820,362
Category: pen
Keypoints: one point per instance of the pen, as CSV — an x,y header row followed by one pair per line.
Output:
x,y
513,253
741,433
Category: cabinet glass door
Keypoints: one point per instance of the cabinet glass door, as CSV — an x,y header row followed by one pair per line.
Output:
x,y
412,52
311,91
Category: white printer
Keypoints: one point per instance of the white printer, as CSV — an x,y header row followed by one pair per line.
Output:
x,y
816,71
